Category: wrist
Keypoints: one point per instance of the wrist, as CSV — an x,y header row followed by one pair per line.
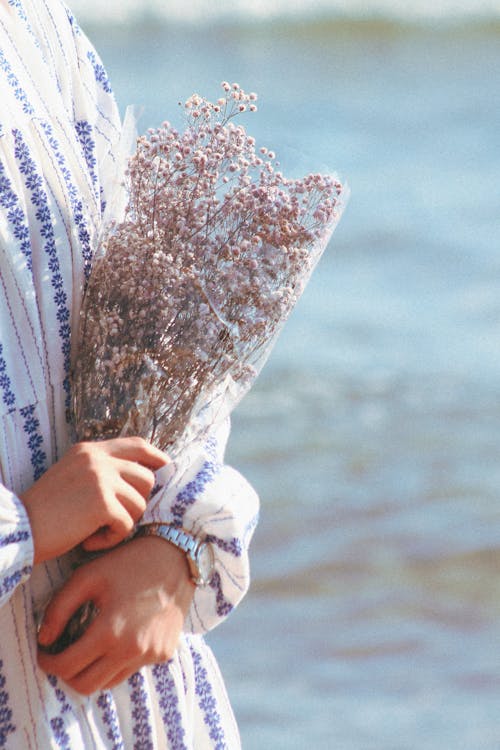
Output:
x,y
198,552
169,569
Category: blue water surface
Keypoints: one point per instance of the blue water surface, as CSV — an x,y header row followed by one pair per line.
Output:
x,y
373,433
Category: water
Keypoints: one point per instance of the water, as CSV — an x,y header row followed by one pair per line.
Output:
x,y
202,12
373,433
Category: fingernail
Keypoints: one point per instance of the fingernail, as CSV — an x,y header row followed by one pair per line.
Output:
x,y
44,636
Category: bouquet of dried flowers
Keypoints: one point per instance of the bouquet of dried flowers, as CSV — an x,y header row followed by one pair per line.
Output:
x,y
191,286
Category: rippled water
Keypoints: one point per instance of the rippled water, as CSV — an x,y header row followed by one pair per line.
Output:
x,y
373,434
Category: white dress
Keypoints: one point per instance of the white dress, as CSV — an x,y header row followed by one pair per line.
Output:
x,y
58,131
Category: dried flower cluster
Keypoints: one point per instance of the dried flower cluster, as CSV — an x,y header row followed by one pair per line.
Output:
x,y
191,287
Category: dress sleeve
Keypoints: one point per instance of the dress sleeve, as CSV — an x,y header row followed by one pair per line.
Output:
x,y
211,499
16,544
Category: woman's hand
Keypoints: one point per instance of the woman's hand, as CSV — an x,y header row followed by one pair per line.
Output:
x,y
94,494
143,591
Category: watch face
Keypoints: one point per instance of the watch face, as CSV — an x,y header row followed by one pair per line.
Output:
x,y
205,560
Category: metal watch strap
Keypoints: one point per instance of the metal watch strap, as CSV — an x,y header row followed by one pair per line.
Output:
x,y
173,534
199,553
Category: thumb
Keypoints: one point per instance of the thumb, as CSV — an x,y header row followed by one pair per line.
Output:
x,y
105,538
80,589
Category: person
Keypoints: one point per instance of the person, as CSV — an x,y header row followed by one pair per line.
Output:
x,y
140,675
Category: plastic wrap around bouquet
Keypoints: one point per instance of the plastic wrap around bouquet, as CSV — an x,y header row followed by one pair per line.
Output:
x,y
192,283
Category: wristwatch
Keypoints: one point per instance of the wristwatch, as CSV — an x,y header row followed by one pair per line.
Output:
x,y
199,552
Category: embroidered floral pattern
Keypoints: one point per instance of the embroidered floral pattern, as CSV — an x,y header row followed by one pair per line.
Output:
x,y
99,72
194,489
72,21
57,722
34,184
140,713
15,215
20,10
8,583
76,203
110,719
169,704
84,133
8,396
17,4
232,546
13,82
16,537
207,703
35,441
223,606
6,725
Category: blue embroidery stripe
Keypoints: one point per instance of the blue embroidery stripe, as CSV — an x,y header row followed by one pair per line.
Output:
x,y
16,87
169,704
9,583
76,203
23,16
39,200
57,723
8,395
223,605
31,426
14,538
140,713
84,132
6,725
15,216
99,72
232,546
207,703
110,720
192,491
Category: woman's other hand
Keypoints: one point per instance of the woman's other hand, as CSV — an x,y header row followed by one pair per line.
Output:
x,y
94,495
142,591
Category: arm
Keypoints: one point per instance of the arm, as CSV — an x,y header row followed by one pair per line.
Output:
x,y
94,494
142,589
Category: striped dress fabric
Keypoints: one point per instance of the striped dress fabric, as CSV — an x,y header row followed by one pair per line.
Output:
x,y
59,128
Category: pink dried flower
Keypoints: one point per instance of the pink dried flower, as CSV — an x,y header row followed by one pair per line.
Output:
x,y
190,288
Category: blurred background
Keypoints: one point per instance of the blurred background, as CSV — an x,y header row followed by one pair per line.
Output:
x,y
373,434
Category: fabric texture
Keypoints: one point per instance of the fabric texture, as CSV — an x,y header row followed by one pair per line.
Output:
x,y
59,127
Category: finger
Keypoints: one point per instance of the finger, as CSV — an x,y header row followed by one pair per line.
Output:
x,y
120,677
137,449
79,589
101,540
94,677
74,659
90,647
116,532
137,476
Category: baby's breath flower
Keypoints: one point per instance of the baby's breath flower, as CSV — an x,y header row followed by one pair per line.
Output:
x,y
192,284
